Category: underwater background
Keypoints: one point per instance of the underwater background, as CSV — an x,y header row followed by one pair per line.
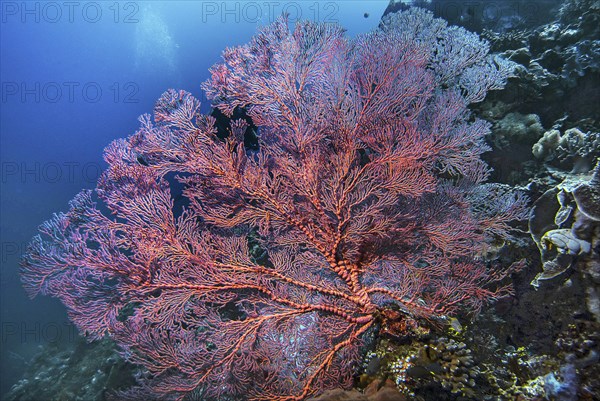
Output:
x,y
76,76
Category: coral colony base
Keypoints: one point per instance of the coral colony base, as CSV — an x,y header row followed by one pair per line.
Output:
x,y
362,206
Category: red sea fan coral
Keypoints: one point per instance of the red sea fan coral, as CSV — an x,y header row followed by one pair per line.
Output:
x,y
361,203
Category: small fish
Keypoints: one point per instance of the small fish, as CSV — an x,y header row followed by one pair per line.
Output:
x,y
373,366
455,325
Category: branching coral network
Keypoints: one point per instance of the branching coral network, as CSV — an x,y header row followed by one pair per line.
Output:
x,y
234,273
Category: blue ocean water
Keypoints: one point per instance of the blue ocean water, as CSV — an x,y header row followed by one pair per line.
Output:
x,y
77,75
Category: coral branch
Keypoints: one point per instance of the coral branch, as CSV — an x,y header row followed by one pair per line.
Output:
x,y
231,272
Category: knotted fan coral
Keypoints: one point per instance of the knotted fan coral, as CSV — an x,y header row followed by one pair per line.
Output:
x,y
363,203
